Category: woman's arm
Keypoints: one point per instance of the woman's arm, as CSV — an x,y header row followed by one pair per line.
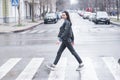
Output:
x,y
67,29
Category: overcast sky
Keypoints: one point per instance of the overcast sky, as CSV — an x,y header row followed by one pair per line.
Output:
x,y
73,1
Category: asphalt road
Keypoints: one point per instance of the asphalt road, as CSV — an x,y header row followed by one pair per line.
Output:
x,y
96,44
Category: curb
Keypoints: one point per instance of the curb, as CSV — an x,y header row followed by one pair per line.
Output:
x,y
114,23
16,31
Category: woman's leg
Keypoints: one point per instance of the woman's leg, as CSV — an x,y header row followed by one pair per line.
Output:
x,y
70,47
61,49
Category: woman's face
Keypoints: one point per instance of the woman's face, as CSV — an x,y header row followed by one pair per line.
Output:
x,y
64,16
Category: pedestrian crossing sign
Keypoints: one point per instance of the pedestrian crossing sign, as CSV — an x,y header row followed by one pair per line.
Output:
x,y
14,2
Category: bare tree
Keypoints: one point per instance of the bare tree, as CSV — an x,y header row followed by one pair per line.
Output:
x,y
117,4
47,5
40,4
33,19
19,13
43,14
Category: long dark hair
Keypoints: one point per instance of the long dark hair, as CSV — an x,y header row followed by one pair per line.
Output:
x,y
68,16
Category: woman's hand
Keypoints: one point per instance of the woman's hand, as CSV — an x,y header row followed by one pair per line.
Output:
x,y
58,42
72,43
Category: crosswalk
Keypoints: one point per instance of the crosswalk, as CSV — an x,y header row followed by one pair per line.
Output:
x,y
37,31
87,73
31,69
8,66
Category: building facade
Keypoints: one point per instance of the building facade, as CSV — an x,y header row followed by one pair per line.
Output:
x,y
9,13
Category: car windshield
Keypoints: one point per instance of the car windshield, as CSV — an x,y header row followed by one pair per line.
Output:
x,y
50,15
87,13
102,14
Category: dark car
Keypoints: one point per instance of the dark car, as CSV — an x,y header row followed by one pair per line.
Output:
x,y
102,16
50,18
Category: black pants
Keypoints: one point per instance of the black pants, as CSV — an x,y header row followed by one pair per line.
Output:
x,y
119,61
70,47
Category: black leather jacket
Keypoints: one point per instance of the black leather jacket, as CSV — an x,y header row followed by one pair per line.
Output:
x,y
66,32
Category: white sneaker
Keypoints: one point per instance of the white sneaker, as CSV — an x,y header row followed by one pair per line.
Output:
x,y
51,67
80,67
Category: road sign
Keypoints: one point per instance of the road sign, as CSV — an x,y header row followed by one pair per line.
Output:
x,y
14,2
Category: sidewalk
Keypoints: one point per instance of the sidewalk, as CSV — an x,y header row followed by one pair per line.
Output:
x,y
13,28
114,20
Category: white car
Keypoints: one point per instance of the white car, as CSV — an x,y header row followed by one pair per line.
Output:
x,y
102,16
92,16
86,15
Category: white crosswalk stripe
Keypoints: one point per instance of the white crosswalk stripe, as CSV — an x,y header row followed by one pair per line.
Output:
x,y
33,31
37,31
113,67
5,68
42,31
52,30
87,73
31,69
59,74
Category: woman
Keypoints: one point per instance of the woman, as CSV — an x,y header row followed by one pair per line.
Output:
x,y
119,61
67,38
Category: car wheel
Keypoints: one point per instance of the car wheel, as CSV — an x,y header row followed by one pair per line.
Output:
x,y
56,21
108,22
45,22
96,22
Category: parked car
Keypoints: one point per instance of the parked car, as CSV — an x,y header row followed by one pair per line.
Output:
x,y
86,15
92,17
80,13
59,14
102,16
50,18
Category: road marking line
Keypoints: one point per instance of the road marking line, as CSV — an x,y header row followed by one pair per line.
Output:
x,y
59,74
113,66
30,70
88,72
52,30
5,68
33,31
42,31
